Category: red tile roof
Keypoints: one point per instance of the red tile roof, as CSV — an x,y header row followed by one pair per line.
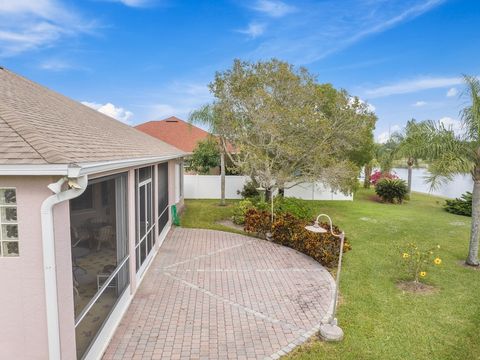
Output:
x,y
175,131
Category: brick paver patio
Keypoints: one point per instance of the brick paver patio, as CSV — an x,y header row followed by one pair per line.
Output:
x,y
217,295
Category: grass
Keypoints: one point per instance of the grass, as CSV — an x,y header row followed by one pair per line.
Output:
x,y
379,320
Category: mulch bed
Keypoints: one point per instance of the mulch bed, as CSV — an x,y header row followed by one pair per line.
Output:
x,y
416,288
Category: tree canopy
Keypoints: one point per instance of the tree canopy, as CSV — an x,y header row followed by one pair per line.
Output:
x,y
286,127
205,156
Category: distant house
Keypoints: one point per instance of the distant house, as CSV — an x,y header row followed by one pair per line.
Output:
x,y
178,133
84,206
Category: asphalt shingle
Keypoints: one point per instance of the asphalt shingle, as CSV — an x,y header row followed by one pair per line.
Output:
x,y
40,126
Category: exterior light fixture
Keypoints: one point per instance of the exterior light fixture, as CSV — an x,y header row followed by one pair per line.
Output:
x,y
331,331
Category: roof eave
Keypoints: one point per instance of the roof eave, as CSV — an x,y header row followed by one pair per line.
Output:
x,y
79,169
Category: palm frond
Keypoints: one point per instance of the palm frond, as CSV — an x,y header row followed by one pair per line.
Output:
x,y
471,114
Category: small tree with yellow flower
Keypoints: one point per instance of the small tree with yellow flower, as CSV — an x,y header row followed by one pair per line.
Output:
x,y
417,261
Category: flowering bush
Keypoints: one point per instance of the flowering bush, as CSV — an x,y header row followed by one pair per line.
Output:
x,y
377,175
417,262
288,230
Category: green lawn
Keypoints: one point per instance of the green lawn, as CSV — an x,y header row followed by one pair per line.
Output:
x,y
379,320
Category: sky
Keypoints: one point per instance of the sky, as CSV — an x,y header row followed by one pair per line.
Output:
x,y
141,60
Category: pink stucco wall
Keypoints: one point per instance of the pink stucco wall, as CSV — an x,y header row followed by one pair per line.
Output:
x,y
23,327
23,333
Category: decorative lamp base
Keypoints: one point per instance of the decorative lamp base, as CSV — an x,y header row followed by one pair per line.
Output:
x,y
331,332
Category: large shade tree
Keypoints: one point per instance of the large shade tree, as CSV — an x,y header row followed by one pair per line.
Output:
x,y
286,127
449,153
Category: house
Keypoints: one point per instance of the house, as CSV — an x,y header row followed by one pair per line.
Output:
x,y
85,203
182,135
176,132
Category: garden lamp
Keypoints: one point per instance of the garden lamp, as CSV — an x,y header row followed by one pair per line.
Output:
x,y
331,331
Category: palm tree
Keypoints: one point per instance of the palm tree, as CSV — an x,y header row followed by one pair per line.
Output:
x,y
409,146
206,115
449,154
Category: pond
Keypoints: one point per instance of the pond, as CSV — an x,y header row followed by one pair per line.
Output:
x,y
452,189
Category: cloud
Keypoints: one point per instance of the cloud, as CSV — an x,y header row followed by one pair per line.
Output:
x,y
410,86
451,124
452,92
134,3
273,8
111,110
420,103
26,25
383,137
162,111
60,65
253,30
370,107
178,98
321,28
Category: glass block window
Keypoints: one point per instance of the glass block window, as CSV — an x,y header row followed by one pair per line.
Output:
x,y
8,223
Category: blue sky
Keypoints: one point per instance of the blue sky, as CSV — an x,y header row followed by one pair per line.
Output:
x,y
139,60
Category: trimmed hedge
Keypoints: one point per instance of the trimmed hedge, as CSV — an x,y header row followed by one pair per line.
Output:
x,y
288,230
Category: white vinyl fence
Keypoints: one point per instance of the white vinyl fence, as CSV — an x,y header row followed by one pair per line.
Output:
x,y
208,187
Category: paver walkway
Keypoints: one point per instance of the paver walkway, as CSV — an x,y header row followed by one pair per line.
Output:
x,y
217,295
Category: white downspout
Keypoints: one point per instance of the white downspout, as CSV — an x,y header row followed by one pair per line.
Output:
x,y
48,240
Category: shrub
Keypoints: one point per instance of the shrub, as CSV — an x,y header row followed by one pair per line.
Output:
x,y
257,222
460,206
416,261
249,190
392,190
240,210
378,175
288,230
291,205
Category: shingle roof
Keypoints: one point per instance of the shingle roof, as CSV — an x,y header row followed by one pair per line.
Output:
x,y
175,131
40,126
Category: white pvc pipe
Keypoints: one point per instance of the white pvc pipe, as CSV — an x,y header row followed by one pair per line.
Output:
x,y
48,242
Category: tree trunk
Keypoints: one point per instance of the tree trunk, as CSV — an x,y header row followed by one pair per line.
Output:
x,y
268,194
368,171
472,258
410,169
222,178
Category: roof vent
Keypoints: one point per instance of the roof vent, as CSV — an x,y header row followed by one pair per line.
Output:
x,y
171,120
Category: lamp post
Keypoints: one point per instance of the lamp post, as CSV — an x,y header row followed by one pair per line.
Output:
x,y
331,331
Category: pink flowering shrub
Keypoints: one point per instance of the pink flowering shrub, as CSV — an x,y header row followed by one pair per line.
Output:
x,y
378,175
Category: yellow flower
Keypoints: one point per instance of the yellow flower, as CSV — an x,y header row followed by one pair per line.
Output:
x,y
437,261
423,273
406,255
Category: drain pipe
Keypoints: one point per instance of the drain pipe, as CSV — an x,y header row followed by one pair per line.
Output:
x,y
76,186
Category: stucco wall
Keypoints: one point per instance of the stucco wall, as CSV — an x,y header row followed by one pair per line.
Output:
x,y
23,329
171,181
